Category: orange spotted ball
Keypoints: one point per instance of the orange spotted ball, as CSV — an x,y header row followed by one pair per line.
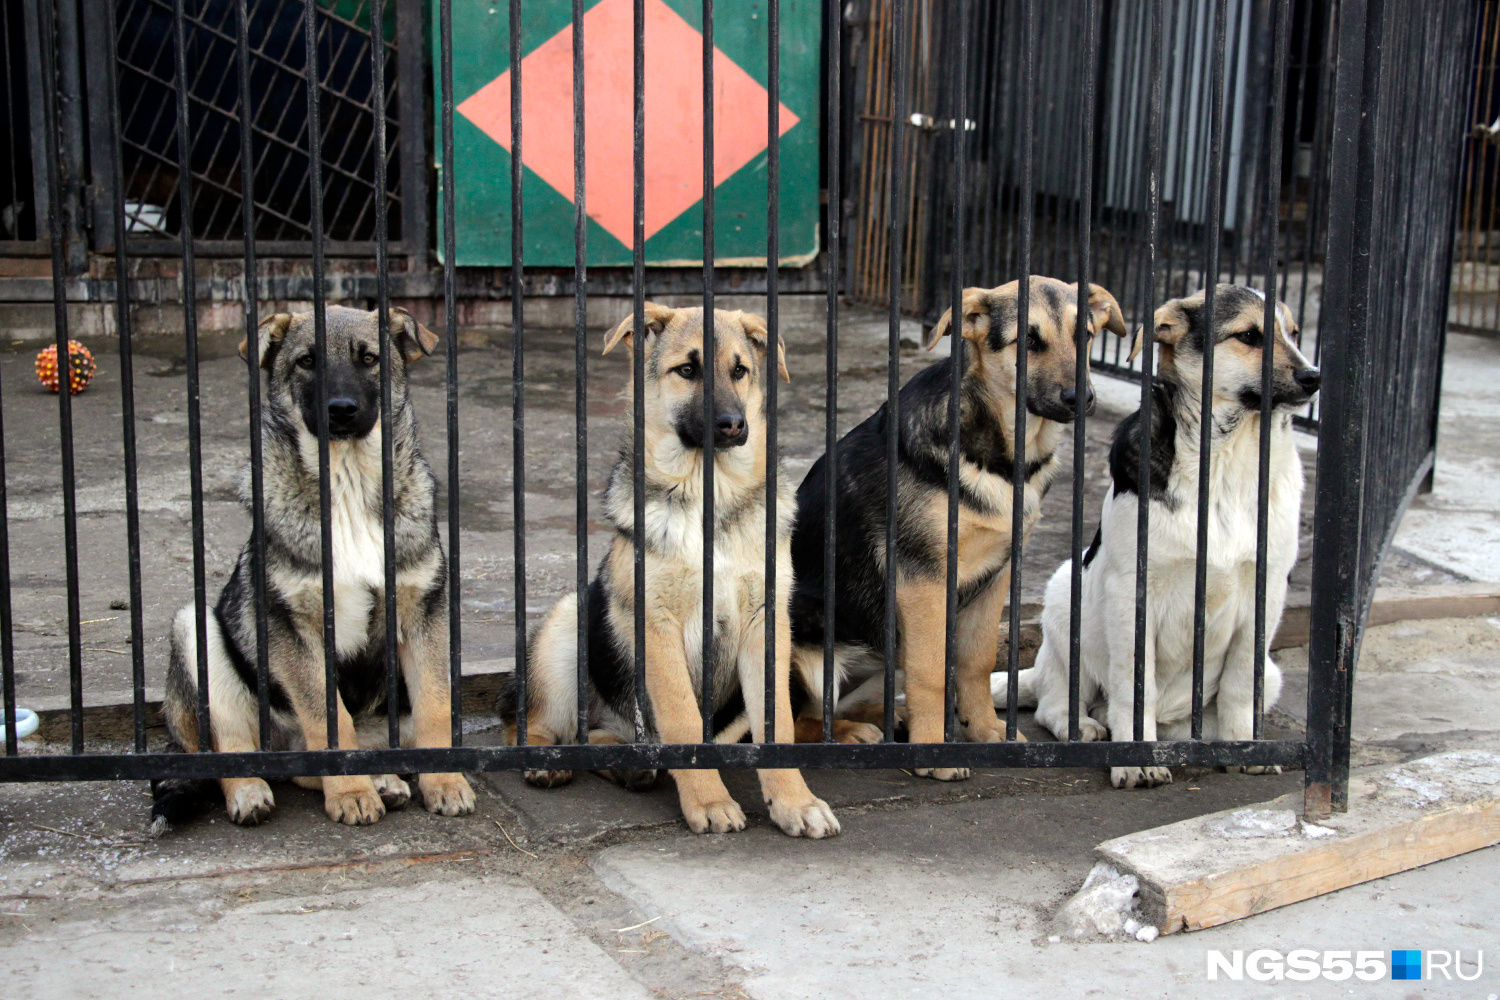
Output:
x,y
81,367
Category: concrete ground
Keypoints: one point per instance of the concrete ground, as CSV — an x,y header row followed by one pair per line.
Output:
x,y
590,891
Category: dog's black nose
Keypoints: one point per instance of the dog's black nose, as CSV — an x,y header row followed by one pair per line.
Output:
x,y
730,426
1070,398
1308,378
342,408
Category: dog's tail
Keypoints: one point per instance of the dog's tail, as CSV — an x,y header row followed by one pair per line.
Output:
x,y
175,801
1025,688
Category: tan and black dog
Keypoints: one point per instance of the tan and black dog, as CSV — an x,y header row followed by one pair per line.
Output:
x,y
987,432
673,541
294,586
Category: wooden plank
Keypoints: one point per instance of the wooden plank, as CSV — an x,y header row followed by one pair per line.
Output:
x,y
1194,875
1397,604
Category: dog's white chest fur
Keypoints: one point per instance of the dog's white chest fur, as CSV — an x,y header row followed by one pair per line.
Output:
x,y
357,534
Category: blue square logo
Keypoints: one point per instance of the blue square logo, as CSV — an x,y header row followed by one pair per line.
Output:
x,y
1406,965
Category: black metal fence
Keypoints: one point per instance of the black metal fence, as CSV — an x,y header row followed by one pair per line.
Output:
x,y
1125,166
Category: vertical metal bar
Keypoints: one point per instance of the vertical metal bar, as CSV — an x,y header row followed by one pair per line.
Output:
x,y
250,301
450,342
69,116
1023,327
1148,351
638,372
1345,331
958,45
411,105
834,163
518,368
773,341
710,366
1081,361
897,227
581,371
7,623
320,356
1280,17
190,334
1215,224
111,153
387,416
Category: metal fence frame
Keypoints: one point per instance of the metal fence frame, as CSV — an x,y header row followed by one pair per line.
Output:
x,y
1398,73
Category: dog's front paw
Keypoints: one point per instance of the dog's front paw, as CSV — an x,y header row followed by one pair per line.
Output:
x,y
394,792
724,816
1256,769
848,731
1139,777
248,801
446,794
984,733
944,773
352,800
548,779
805,819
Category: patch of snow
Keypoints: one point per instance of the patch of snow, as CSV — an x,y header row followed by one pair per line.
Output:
x,y
1313,831
1245,824
1105,906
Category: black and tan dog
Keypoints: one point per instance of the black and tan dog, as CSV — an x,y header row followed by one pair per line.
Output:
x,y
673,539
294,585
987,432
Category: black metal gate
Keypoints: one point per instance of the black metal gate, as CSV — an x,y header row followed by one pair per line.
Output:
x,y
1081,167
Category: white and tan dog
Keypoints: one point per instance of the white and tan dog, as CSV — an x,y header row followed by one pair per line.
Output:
x,y
1107,661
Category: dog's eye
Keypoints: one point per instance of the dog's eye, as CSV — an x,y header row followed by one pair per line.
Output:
x,y
688,370
1034,340
1250,338
368,359
739,372
307,361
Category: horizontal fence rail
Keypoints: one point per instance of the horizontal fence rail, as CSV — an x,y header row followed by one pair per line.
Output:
x,y
1309,152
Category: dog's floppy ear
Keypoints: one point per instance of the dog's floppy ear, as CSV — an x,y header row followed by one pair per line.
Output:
x,y
270,334
1171,322
1106,312
757,334
976,305
657,318
412,339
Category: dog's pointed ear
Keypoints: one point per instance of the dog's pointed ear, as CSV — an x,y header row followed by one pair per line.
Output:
x,y
1135,344
269,335
412,339
1106,312
760,337
1289,327
657,318
976,306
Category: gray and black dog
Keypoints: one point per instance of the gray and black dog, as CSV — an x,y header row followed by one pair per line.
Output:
x,y
294,585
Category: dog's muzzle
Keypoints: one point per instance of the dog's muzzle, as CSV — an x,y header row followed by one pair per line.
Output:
x,y
730,430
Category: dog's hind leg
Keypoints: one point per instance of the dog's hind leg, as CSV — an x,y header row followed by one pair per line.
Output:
x,y
232,710
551,688
807,668
793,806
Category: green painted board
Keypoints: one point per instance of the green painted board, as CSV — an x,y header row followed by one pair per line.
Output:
x,y
674,131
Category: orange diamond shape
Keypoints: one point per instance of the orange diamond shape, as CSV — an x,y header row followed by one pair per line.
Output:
x,y
674,115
